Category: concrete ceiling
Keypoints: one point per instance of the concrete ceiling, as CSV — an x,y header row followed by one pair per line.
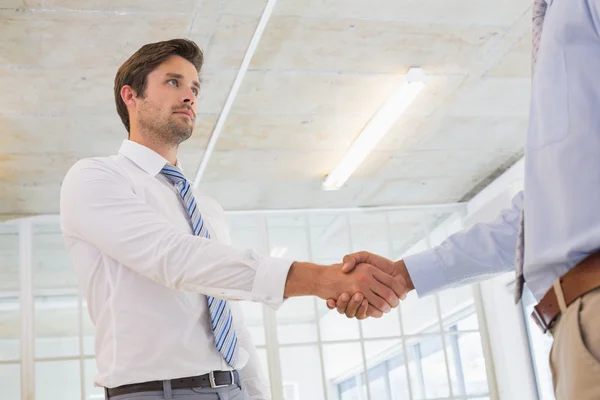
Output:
x,y
319,73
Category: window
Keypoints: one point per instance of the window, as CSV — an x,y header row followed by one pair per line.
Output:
x,y
427,347
539,345
428,368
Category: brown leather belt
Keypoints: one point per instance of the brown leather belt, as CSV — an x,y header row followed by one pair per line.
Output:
x,y
214,379
581,279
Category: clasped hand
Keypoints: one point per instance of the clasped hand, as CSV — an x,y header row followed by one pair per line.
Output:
x,y
375,284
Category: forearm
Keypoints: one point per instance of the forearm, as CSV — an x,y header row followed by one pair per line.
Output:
x,y
305,279
466,256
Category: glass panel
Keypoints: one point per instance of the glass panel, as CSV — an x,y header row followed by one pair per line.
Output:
x,y
382,357
247,232
56,326
9,258
539,345
434,376
335,326
253,319
369,232
456,303
379,351
407,231
386,326
288,237
301,373
10,381
398,380
51,264
90,371
443,224
379,387
343,367
296,322
57,380
471,363
10,316
419,315
468,323
10,328
330,239
264,361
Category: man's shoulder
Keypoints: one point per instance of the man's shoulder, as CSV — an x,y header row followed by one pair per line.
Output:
x,y
90,171
97,164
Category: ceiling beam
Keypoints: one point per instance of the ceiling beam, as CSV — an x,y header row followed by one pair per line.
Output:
x,y
237,83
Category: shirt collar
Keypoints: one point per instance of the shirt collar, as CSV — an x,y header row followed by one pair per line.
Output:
x,y
145,158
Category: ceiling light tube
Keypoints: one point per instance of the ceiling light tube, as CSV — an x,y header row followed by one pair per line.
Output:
x,y
382,121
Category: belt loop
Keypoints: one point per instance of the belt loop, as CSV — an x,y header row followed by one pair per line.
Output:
x,y
560,297
167,389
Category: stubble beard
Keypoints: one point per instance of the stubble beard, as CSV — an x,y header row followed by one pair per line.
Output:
x,y
170,132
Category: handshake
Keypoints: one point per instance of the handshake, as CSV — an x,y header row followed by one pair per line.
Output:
x,y
364,285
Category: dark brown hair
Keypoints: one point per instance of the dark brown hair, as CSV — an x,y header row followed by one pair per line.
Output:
x,y
135,70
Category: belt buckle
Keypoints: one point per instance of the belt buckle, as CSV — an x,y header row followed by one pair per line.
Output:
x,y
213,384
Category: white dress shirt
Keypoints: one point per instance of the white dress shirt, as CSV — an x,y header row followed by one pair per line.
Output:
x,y
146,276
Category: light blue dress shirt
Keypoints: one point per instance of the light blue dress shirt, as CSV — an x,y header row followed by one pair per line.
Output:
x,y
562,169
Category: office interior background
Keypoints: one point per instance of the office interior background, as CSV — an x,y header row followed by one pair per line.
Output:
x,y
324,127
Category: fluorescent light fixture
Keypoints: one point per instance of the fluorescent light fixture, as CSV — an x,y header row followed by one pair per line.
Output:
x,y
382,121
278,252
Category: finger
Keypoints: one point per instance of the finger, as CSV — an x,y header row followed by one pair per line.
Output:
x,y
355,303
331,304
396,284
361,313
342,303
377,301
373,312
388,295
352,260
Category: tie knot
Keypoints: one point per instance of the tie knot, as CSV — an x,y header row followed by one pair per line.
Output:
x,y
173,174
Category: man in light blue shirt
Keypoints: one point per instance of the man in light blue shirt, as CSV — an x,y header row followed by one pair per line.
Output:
x,y
561,204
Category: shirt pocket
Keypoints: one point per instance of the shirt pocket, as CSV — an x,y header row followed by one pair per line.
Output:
x,y
549,116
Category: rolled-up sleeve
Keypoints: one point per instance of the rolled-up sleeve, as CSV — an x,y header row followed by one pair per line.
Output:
x,y
100,207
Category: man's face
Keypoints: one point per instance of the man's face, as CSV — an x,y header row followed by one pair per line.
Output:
x,y
168,108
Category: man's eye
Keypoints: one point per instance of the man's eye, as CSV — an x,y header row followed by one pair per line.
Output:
x,y
172,82
195,92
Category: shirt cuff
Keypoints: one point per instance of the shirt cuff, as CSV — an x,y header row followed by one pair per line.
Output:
x,y
269,282
426,272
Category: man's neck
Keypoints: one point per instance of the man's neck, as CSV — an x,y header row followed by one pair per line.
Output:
x,y
167,151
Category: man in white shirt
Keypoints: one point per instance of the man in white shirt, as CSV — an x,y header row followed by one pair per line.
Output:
x,y
153,258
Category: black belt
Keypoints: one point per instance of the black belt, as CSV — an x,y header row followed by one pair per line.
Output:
x,y
214,379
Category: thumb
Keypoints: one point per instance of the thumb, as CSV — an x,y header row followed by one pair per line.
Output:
x,y
349,263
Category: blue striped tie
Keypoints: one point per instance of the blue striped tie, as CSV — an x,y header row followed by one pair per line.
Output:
x,y
220,311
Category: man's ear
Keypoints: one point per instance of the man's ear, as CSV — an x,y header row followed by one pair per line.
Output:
x,y
128,95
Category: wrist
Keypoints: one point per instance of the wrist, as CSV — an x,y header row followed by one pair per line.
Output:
x,y
303,280
400,269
